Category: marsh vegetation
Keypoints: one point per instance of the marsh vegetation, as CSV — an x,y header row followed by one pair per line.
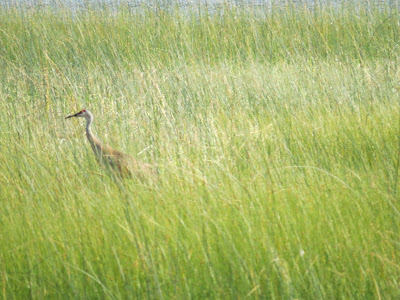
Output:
x,y
276,137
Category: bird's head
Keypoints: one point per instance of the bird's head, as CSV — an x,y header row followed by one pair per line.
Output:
x,y
82,114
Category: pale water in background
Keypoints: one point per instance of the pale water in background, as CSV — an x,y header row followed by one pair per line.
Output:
x,y
210,4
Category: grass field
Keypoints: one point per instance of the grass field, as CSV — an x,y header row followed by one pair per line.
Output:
x,y
276,136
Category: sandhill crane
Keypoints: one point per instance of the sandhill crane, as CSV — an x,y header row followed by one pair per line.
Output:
x,y
121,162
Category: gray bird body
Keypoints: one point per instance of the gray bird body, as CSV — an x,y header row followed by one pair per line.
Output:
x,y
123,164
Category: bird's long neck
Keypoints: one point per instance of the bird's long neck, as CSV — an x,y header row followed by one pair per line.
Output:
x,y
89,121
96,144
92,139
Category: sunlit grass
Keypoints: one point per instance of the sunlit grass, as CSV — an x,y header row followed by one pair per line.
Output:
x,y
276,139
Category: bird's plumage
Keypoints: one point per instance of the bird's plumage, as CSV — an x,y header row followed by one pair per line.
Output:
x,y
122,163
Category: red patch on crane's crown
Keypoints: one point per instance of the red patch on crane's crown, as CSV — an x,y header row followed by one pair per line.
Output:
x,y
83,110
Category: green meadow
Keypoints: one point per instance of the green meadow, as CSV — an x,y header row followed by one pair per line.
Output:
x,y
276,136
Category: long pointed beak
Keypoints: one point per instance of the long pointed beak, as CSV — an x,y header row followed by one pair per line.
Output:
x,y
72,116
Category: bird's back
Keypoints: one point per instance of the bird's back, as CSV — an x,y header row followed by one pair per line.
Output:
x,y
124,164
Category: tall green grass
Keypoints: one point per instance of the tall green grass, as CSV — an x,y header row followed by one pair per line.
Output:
x,y
276,137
